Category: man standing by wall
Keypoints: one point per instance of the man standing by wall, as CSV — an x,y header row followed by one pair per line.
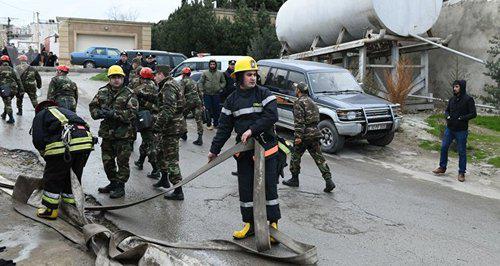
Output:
x,y
212,83
461,108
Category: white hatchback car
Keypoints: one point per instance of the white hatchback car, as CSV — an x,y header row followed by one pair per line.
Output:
x,y
201,63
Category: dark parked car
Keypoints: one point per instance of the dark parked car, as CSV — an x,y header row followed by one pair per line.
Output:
x,y
162,58
345,110
96,57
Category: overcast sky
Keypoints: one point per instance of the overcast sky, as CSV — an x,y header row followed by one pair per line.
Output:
x,y
147,10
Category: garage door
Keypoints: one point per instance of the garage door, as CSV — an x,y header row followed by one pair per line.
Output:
x,y
84,41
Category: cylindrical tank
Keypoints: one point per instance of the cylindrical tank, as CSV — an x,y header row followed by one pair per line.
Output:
x,y
299,21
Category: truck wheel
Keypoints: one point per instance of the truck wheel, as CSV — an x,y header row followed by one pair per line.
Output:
x,y
89,64
382,141
331,142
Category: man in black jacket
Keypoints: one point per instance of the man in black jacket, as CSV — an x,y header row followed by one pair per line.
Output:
x,y
230,82
461,108
126,66
65,142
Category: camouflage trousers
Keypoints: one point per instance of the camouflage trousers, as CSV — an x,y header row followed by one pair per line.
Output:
x,y
168,157
31,94
197,112
314,149
148,145
7,105
115,158
66,102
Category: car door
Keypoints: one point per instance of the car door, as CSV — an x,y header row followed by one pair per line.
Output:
x,y
99,56
276,81
113,57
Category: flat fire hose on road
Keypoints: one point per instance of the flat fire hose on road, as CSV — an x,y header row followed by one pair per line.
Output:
x,y
111,247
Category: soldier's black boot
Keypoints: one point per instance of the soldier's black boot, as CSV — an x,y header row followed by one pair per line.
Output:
x,y
292,182
155,174
107,188
184,136
163,181
20,111
118,192
11,119
176,195
4,114
329,185
140,163
199,141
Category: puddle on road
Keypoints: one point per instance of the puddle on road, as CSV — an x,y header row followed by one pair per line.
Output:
x,y
22,238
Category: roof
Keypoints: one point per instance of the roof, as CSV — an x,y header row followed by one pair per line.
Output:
x,y
100,21
298,65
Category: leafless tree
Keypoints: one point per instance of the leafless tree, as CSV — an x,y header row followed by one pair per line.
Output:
x,y
115,13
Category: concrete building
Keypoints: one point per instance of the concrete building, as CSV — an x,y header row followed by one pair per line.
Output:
x,y
78,34
224,13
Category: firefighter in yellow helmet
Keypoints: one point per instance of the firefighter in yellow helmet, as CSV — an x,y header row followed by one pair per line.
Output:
x,y
251,110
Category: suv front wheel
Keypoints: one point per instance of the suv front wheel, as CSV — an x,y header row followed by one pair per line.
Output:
x,y
331,142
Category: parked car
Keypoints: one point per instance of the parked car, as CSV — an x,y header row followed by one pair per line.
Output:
x,y
346,111
201,63
162,58
96,57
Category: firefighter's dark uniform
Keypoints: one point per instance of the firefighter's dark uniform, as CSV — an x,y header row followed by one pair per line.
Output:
x,y
49,126
254,109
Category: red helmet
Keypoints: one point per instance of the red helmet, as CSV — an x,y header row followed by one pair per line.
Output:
x,y
22,58
146,73
4,58
186,70
63,68
44,104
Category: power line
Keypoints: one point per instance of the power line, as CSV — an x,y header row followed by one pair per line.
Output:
x,y
22,9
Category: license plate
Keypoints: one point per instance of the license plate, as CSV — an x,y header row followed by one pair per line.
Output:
x,y
377,127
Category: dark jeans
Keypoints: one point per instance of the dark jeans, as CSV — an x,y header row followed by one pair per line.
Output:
x,y
461,139
212,103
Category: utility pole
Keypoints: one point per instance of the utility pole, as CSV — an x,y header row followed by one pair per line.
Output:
x,y
9,32
37,30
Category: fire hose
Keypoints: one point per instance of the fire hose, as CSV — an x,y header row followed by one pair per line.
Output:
x,y
110,248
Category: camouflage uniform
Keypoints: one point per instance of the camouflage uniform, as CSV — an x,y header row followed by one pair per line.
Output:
x,y
147,95
194,104
117,133
9,77
31,80
64,92
306,118
169,124
135,78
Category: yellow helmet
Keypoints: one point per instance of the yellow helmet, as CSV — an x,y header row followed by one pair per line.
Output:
x,y
244,64
115,70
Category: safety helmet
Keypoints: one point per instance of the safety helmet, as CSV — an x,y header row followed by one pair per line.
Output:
x,y
146,73
115,70
63,68
301,86
4,58
186,70
244,64
22,58
44,104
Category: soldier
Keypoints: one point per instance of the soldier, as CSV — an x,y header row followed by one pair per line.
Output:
x,y
147,95
61,154
125,65
117,105
307,136
252,112
194,103
212,83
169,124
10,84
63,90
31,80
135,73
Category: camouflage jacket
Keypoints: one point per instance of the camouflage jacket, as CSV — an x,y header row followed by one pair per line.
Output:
x,y
29,76
147,95
191,93
212,82
124,104
9,77
171,118
135,78
62,86
306,118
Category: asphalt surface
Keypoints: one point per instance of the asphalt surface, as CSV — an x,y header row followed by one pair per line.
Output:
x,y
376,215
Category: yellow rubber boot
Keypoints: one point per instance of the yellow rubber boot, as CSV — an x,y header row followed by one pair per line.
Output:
x,y
245,232
47,213
275,226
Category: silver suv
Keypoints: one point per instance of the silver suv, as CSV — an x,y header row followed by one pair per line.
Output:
x,y
346,111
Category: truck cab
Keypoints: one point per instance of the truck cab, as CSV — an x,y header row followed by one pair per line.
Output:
x,y
346,112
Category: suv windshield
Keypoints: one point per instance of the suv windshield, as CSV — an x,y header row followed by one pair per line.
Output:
x,y
333,82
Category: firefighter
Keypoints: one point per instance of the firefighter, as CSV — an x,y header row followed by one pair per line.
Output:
x,y
65,142
252,111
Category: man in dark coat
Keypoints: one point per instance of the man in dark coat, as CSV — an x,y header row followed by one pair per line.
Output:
x,y
461,108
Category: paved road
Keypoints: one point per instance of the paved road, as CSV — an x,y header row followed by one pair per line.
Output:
x,y
376,215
